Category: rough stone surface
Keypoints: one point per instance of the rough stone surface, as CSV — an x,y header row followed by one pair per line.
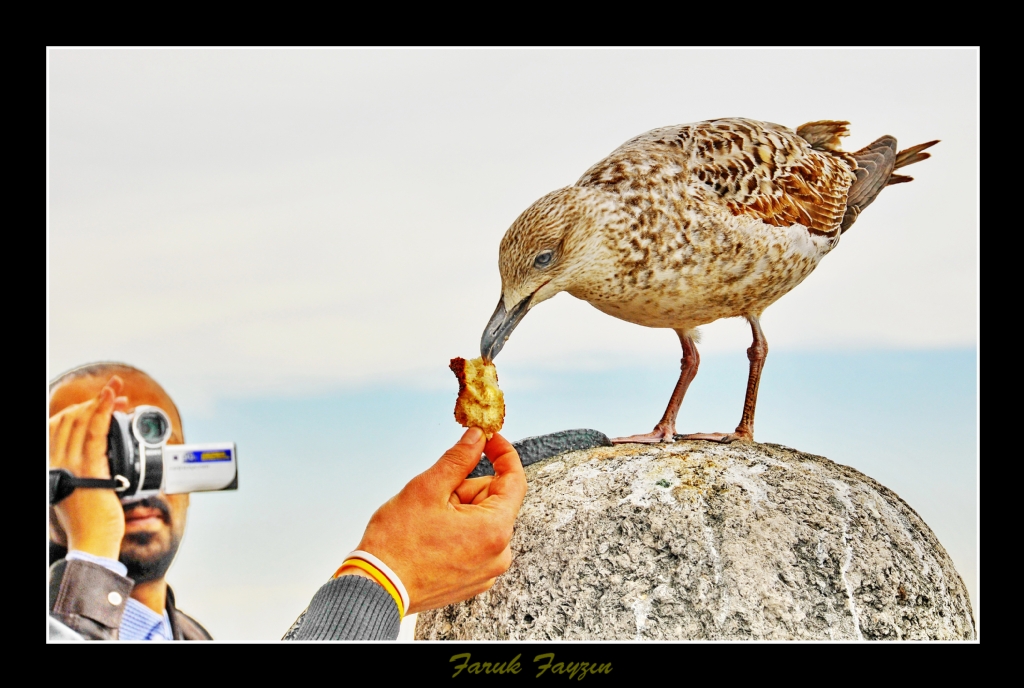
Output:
x,y
534,449
696,540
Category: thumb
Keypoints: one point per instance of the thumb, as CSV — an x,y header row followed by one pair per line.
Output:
x,y
455,464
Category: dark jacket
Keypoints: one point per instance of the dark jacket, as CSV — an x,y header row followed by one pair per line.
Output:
x,y
90,599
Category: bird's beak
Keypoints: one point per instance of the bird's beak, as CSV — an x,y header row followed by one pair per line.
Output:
x,y
500,326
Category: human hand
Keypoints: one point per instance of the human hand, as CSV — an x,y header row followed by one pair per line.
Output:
x,y
92,519
447,537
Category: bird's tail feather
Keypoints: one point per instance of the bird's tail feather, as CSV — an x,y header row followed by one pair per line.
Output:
x,y
913,154
876,164
909,157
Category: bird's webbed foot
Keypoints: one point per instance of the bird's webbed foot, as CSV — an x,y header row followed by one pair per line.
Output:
x,y
720,437
661,433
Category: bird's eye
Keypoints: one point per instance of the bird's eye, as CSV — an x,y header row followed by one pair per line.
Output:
x,y
543,259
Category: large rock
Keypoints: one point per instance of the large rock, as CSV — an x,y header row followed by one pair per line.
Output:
x,y
699,540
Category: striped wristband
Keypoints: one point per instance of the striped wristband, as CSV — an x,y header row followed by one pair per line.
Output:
x,y
381,573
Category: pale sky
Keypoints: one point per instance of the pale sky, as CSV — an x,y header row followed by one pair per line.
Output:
x,y
287,221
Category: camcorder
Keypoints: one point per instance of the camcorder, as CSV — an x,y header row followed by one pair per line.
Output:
x,y
143,464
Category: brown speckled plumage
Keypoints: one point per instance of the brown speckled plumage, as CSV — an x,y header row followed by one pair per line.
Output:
x,y
688,224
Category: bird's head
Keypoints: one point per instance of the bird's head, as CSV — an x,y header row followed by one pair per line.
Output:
x,y
541,254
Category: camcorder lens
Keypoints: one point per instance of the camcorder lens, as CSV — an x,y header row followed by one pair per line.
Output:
x,y
152,427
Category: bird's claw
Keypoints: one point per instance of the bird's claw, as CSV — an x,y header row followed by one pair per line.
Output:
x,y
657,435
720,437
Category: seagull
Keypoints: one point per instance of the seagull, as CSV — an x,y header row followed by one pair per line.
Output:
x,y
687,224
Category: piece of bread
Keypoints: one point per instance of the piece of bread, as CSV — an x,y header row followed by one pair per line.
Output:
x,y
480,404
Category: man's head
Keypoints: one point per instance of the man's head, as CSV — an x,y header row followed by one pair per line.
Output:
x,y
153,526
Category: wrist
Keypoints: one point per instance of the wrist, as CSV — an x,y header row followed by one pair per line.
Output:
x,y
105,546
94,522
106,562
363,563
353,571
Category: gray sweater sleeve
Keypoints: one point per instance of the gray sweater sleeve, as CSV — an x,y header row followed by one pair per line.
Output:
x,y
348,608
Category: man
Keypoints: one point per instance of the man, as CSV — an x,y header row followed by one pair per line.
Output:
x,y
442,539
112,582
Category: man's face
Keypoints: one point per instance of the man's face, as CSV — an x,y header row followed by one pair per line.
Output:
x,y
153,526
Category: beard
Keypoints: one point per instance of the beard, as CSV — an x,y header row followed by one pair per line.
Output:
x,y
147,556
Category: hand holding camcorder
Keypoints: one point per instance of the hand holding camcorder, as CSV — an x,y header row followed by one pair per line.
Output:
x,y
143,464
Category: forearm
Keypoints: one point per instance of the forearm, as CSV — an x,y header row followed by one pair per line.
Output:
x,y
348,608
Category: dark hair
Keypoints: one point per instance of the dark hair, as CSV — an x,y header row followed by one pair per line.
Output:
x,y
106,368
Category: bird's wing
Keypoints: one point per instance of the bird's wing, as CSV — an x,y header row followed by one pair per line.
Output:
x,y
754,168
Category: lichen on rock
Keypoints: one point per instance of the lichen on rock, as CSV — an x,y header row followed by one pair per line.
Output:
x,y
696,540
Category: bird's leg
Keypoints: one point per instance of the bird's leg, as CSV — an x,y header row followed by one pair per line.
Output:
x,y
756,354
665,430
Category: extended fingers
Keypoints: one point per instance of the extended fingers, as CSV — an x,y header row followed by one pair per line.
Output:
x,y
78,432
442,479
498,448
509,484
115,384
60,431
80,422
95,444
